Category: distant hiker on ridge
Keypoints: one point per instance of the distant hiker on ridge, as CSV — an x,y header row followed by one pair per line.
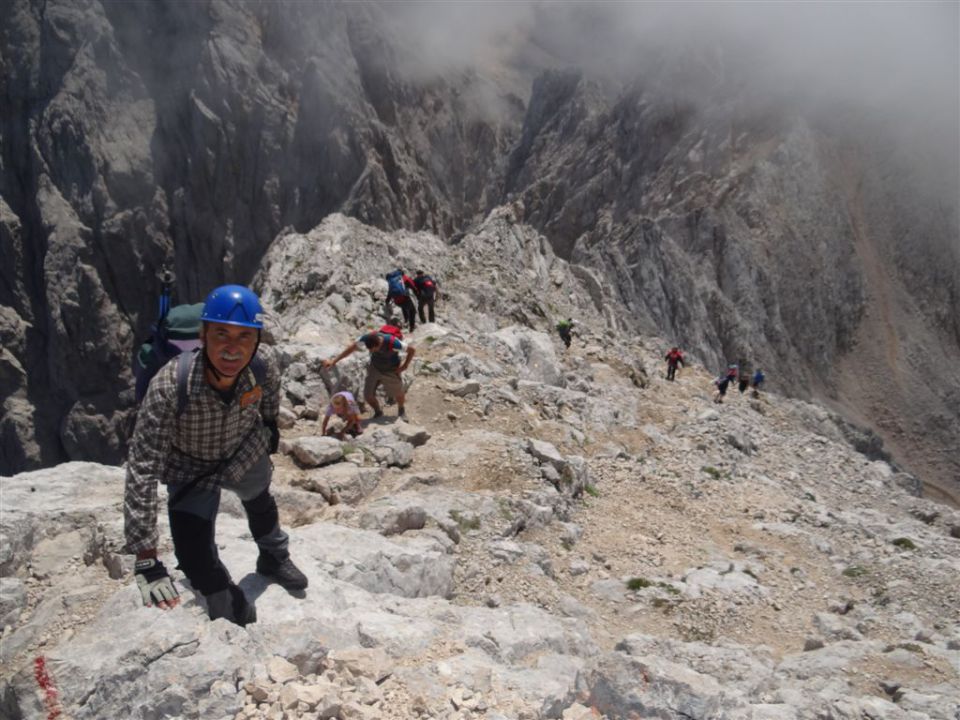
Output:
x,y
428,292
673,358
399,286
723,382
758,379
565,329
384,368
743,372
207,423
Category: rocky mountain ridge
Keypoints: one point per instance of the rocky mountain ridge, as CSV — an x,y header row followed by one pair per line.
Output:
x,y
553,534
138,132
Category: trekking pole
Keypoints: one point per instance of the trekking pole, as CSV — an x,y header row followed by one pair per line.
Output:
x,y
167,278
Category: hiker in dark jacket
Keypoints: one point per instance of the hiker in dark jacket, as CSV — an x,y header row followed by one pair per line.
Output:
x,y
428,292
205,425
743,376
723,382
673,358
758,380
565,330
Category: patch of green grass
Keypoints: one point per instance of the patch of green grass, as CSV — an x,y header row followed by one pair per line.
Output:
x,y
668,588
431,338
591,490
904,543
855,571
638,583
908,646
465,523
349,449
712,472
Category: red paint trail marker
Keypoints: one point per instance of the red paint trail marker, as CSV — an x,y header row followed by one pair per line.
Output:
x,y
50,696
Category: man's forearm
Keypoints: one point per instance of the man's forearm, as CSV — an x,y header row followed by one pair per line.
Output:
x,y
347,351
140,512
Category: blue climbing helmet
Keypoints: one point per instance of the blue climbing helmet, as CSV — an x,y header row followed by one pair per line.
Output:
x,y
233,305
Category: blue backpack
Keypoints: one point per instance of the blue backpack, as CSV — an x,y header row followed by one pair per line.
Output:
x,y
395,285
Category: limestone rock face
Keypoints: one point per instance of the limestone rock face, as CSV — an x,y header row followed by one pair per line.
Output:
x,y
137,134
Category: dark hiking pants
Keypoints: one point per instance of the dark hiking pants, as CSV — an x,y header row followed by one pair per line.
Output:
x,y
193,516
409,313
426,302
671,371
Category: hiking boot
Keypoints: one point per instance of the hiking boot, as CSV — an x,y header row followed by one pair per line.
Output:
x,y
377,414
232,604
282,572
402,413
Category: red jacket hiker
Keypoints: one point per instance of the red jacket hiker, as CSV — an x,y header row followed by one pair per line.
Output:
x,y
674,358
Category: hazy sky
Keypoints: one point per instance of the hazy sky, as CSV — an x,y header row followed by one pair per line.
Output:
x,y
900,59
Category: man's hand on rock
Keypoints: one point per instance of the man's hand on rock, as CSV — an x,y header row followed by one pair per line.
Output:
x,y
155,584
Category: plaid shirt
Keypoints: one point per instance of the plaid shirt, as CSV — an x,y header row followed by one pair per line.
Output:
x,y
211,438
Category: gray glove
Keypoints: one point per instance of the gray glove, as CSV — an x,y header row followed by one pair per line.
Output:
x,y
154,582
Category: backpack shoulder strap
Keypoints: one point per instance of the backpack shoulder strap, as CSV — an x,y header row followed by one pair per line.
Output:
x,y
259,368
257,365
183,380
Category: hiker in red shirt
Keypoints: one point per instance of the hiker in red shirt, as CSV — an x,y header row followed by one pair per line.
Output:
x,y
673,358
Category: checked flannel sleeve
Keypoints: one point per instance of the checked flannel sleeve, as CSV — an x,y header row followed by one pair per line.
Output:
x,y
148,452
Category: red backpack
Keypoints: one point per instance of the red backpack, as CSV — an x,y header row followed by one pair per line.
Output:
x,y
391,330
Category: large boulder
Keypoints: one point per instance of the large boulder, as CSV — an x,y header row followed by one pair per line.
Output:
x,y
313,452
531,352
340,483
